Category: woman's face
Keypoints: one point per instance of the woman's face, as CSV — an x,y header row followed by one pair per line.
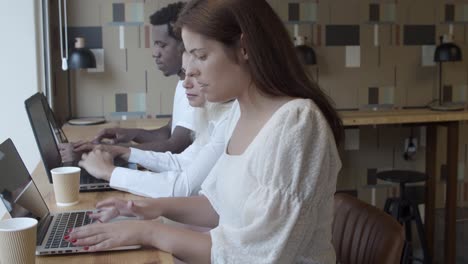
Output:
x,y
221,78
193,91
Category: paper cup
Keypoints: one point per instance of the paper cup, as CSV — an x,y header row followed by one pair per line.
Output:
x,y
18,240
66,185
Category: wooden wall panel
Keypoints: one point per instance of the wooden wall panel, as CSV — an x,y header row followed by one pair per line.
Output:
x,y
343,87
132,38
324,12
375,77
83,13
416,16
418,83
345,12
132,70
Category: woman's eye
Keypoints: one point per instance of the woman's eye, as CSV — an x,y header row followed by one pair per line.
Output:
x,y
202,57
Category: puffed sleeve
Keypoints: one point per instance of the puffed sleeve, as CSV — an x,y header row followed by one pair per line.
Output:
x,y
296,169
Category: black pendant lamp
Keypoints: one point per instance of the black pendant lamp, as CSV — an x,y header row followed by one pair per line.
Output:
x,y
305,53
81,57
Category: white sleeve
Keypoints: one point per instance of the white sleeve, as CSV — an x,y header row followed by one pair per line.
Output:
x,y
182,111
184,183
144,183
296,172
164,161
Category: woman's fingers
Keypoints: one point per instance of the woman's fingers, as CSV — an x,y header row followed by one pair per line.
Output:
x,y
117,207
104,245
132,210
86,231
105,214
107,202
89,241
95,243
94,237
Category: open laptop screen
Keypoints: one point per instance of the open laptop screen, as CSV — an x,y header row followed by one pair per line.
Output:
x,y
18,191
43,132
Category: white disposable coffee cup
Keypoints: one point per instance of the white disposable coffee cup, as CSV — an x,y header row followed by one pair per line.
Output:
x,y
66,185
18,240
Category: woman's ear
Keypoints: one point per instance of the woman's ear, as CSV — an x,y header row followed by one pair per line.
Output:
x,y
244,54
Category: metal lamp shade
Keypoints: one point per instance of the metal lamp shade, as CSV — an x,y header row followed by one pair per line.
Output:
x,y
447,52
81,58
306,54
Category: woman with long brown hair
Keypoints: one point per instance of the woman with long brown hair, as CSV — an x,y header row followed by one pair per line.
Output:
x,y
269,198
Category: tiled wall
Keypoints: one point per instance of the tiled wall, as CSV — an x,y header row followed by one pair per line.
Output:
x,y
370,54
126,82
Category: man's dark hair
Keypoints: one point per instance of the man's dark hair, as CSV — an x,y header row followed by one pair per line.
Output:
x,y
168,16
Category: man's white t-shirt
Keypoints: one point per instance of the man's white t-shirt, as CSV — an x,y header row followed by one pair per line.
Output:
x,y
182,112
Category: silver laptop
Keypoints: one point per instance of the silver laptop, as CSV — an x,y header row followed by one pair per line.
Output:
x,y
48,134
22,199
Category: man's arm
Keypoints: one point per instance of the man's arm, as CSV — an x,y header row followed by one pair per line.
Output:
x,y
180,139
148,136
118,135
159,140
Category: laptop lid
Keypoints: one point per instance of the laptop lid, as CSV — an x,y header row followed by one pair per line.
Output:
x,y
48,134
21,198
54,124
46,141
17,190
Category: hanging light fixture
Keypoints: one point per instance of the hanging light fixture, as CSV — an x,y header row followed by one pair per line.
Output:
x,y
305,53
64,58
81,57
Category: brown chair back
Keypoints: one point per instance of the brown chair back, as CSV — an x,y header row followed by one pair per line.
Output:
x,y
364,234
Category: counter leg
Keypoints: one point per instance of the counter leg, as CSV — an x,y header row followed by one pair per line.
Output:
x,y
451,194
431,161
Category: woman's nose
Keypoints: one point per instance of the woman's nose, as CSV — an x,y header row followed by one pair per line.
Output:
x,y
187,84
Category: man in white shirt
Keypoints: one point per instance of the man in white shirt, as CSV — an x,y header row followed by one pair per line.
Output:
x,y
176,135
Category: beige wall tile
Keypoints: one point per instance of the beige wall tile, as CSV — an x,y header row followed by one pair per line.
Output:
x,y
83,13
132,71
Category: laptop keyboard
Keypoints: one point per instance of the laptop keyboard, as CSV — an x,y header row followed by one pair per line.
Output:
x,y
64,222
90,179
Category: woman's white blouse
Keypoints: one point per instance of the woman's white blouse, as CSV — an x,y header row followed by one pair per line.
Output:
x,y
172,174
275,201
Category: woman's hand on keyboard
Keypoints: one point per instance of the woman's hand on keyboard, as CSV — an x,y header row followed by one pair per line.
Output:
x,y
97,237
112,208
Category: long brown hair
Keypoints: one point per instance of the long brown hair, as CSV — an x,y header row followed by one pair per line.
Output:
x,y
273,62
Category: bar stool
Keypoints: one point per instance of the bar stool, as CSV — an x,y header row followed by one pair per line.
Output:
x,y
405,210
